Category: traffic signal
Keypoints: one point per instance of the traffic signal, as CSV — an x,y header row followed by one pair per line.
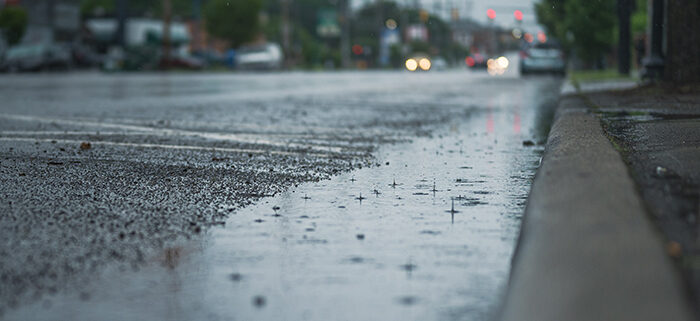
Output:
x,y
491,14
518,15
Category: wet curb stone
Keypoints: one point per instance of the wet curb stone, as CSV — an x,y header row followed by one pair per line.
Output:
x,y
587,250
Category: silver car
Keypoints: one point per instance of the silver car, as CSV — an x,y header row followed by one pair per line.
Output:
x,y
261,57
543,58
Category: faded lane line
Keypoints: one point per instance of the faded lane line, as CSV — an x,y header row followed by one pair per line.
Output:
x,y
136,133
178,147
173,132
321,143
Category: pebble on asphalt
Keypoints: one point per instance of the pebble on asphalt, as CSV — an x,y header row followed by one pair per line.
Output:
x,y
259,301
235,277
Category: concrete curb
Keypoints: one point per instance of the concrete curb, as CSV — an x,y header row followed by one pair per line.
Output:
x,y
587,250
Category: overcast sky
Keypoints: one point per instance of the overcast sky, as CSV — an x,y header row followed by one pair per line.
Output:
x,y
476,9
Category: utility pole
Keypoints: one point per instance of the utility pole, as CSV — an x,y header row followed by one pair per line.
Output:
x,y
286,31
623,48
345,34
167,17
654,62
51,18
682,42
122,12
196,24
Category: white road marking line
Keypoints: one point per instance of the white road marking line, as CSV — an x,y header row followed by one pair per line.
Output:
x,y
176,132
178,147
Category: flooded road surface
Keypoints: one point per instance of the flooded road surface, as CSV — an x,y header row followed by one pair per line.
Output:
x,y
422,228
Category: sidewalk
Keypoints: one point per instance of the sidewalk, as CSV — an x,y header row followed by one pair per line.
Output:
x,y
613,212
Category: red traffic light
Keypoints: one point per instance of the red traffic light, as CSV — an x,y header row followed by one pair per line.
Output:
x,y
491,14
357,49
518,15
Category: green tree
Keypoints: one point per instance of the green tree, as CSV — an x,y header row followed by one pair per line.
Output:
x,y
233,20
13,23
639,17
592,25
550,14
585,26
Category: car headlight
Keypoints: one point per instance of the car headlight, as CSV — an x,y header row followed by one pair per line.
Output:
x,y
411,64
424,64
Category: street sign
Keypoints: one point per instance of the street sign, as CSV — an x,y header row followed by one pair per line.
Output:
x,y
328,25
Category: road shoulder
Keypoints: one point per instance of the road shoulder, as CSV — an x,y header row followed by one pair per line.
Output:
x,y
587,249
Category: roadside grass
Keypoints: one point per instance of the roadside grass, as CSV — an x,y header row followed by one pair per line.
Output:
x,y
584,76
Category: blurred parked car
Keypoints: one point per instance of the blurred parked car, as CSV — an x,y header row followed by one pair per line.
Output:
x,y
542,57
439,63
210,57
476,61
260,57
184,61
36,57
84,55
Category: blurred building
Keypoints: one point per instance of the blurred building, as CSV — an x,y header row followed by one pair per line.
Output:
x,y
49,20
138,31
463,31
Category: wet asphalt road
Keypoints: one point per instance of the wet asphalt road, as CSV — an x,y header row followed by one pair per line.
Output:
x,y
149,220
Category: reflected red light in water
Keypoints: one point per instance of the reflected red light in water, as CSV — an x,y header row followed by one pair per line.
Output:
x,y
469,61
518,15
528,37
491,14
357,49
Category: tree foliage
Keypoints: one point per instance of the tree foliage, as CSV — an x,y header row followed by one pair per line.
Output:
x,y
585,26
233,20
13,23
639,17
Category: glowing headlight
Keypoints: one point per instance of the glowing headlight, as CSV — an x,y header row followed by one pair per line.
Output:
x,y
411,64
502,62
424,64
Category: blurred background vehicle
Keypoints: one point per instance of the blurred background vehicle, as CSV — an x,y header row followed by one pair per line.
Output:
x,y
418,62
267,56
476,61
210,58
84,55
439,63
37,57
184,61
544,58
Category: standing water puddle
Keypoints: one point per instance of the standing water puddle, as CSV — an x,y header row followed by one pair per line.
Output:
x,y
380,243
